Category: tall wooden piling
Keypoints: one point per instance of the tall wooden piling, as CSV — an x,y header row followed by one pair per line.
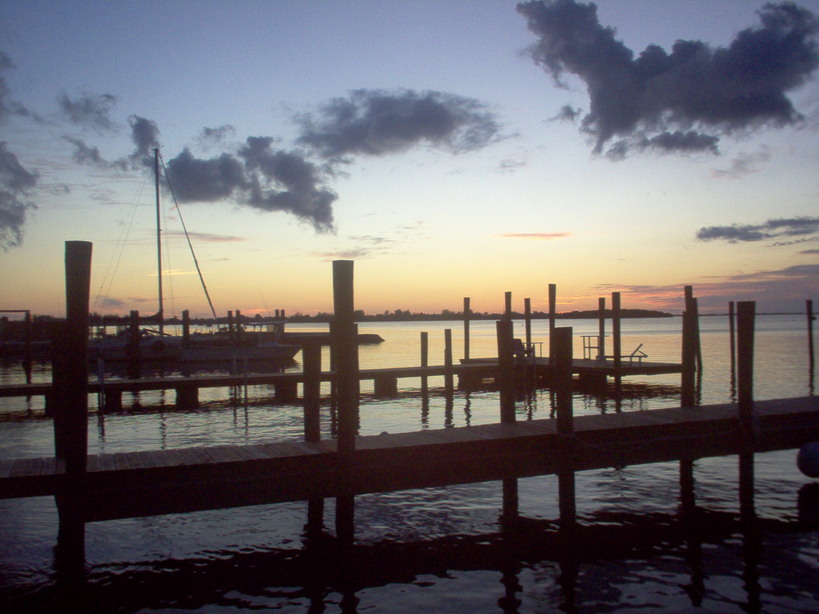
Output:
x,y
467,315
506,370
311,357
565,423
134,351
745,404
449,375
616,341
811,361
527,320
507,307
71,421
506,385
186,327
689,355
346,356
424,362
552,317
691,305
601,327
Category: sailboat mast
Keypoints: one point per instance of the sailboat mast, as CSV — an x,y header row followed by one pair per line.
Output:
x,y
158,243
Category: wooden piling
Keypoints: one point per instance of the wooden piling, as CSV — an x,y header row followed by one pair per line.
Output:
x,y
346,355
311,357
691,305
601,327
449,378
71,426
506,370
616,341
507,308
687,376
810,316
134,351
186,327
565,423
745,404
467,315
424,362
552,317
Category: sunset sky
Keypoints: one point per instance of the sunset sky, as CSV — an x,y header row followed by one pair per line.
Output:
x,y
450,148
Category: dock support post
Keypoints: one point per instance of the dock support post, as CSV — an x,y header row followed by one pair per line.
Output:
x,y
467,315
617,343
552,316
506,370
745,405
424,362
565,425
601,327
187,396
346,355
134,353
506,385
811,361
71,416
286,392
449,380
732,341
687,376
311,356
691,305
186,327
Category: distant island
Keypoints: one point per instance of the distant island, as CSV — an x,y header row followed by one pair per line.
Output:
x,y
401,315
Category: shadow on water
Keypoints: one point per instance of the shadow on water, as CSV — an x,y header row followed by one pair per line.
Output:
x,y
322,573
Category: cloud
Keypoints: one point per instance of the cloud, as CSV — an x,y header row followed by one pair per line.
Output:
x,y
216,135
205,237
144,136
258,176
683,100
89,110
567,113
540,236
743,165
15,184
8,106
376,122
784,227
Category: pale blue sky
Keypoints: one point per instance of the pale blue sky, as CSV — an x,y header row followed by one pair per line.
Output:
x,y
426,226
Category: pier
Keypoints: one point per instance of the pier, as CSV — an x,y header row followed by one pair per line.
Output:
x,y
92,488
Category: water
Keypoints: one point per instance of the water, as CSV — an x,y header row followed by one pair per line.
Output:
x,y
440,550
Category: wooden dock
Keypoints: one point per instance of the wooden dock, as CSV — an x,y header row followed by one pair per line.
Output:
x,y
129,484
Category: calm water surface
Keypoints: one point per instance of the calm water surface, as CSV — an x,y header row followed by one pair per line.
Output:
x,y
440,550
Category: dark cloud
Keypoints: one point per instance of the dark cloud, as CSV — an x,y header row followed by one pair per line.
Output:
x,y
376,122
693,94
15,184
89,110
258,176
217,135
145,135
775,228
567,113
8,106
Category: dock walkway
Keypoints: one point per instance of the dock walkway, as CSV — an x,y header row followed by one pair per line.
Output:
x,y
129,484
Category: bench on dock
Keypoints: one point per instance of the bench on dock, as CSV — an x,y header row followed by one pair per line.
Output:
x,y
637,354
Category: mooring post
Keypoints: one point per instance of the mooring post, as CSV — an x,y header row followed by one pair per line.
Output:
x,y
552,317
506,370
186,327
467,314
687,386
616,341
811,362
732,341
746,312
27,346
565,424
134,351
506,386
507,307
601,327
424,362
691,305
449,382
311,357
71,419
346,356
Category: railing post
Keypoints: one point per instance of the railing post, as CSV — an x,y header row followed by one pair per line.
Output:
x,y
467,314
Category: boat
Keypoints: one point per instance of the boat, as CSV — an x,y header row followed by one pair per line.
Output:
x,y
213,348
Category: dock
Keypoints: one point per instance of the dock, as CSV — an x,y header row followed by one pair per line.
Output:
x,y
142,483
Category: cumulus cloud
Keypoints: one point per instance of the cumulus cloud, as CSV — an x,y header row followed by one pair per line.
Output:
x,y
376,122
683,100
88,110
771,229
258,176
15,184
8,106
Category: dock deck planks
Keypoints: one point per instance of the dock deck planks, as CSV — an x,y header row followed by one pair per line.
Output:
x,y
138,483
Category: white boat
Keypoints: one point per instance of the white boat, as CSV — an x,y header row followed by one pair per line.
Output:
x,y
153,346
243,346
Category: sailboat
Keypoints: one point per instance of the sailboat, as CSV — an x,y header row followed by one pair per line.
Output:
x,y
219,347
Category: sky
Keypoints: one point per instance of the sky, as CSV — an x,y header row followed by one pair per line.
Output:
x,y
453,149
